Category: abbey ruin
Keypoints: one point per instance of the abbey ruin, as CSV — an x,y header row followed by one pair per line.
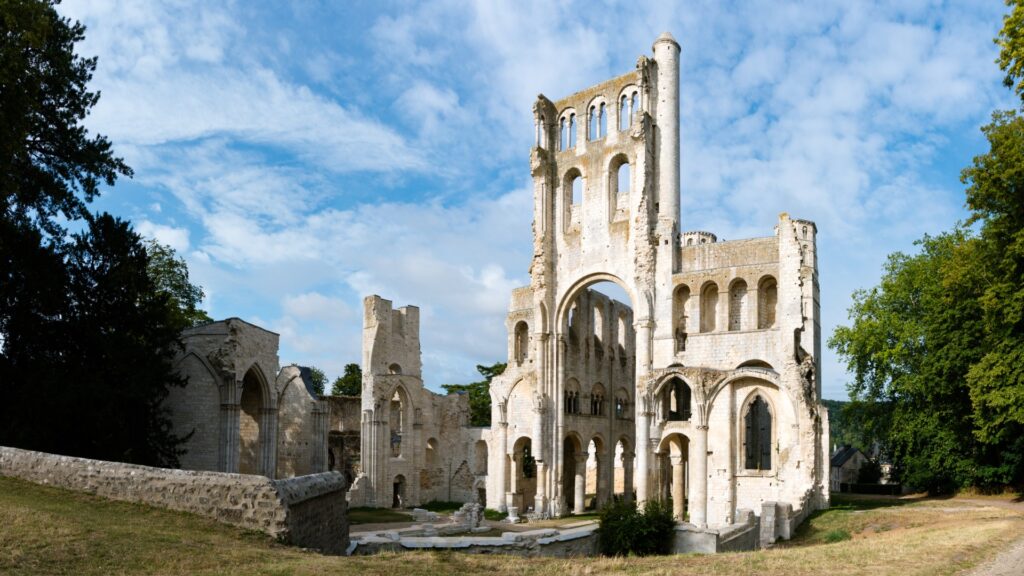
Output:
x,y
702,389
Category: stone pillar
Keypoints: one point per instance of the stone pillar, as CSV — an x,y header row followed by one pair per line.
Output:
x,y
678,487
699,481
268,442
643,457
536,446
580,488
500,470
666,54
513,484
627,475
539,499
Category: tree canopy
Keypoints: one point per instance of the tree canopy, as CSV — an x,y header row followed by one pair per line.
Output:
x,y
350,383
89,323
479,393
937,348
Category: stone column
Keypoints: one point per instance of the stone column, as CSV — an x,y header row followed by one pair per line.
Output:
x,y
580,488
500,469
699,481
539,500
627,475
666,54
643,457
678,487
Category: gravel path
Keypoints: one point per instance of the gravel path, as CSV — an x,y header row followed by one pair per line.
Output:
x,y
1010,562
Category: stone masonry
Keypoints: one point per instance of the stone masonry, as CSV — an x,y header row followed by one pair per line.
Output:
x,y
309,511
704,389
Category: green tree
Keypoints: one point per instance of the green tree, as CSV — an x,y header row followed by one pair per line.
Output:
x,y
911,343
995,196
479,393
50,166
87,339
318,379
170,275
350,383
1011,48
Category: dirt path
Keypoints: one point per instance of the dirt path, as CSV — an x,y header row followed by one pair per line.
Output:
x,y
1010,562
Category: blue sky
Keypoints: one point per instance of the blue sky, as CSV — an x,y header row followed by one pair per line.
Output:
x,y
302,155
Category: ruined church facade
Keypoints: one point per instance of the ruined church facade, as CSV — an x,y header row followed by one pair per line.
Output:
x,y
704,388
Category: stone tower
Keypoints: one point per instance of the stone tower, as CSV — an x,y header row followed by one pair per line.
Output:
x,y
716,354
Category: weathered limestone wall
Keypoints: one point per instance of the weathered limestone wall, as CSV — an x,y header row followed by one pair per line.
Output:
x,y
415,445
307,511
302,422
572,543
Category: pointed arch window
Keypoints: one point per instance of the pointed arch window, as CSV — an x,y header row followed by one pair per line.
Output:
x,y
757,435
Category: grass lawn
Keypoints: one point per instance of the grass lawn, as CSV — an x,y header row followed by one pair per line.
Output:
x,y
49,531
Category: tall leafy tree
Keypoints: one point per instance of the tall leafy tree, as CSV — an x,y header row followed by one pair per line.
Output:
x,y
479,393
50,165
170,276
350,383
88,329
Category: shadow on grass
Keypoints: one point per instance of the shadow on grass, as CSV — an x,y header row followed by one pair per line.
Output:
x,y
376,516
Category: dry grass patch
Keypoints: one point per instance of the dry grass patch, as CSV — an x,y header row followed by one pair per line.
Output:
x,y
49,531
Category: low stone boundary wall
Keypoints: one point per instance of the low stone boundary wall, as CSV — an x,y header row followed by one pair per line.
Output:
x,y
308,511
568,543
738,537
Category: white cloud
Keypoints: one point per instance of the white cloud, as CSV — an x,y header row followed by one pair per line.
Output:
x,y
835,111
176,238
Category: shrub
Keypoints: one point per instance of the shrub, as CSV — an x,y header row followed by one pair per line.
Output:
x,y
625,530
870,472
494,515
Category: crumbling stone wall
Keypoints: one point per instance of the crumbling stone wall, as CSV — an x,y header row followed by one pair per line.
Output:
x,y
308,511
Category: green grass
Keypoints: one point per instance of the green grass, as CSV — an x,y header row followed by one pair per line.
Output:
x,y
376,516
838,535
442,507
44,530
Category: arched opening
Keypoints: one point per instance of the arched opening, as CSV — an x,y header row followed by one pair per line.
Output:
x,y
634,107
250,424
680,314
592,126
618,177
757,435
595,491
480,459
572,130
767,299
623,474
398,492
563,135
572,396
394,369
675,401
737,304
397,421
592,385
573,475
577,190
523,475
624,112
597,401
522,342
673,473
708,307
431,458
623,409
602,127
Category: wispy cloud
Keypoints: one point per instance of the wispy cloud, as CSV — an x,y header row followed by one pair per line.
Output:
x,y
301,168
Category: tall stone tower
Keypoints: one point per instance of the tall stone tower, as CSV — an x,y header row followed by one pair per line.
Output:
x,y
703,387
